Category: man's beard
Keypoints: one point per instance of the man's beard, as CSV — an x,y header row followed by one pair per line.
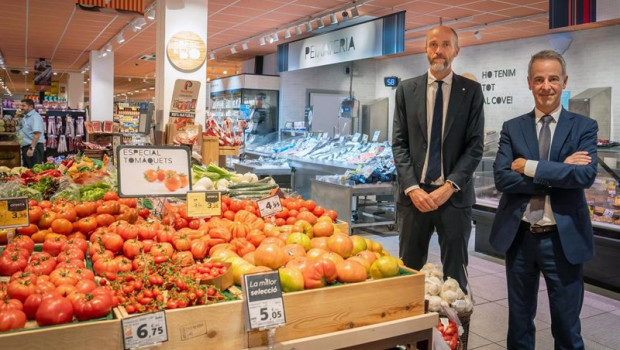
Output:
x,y
440,66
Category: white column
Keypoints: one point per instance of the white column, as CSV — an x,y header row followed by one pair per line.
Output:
x,y
75,90
101,86
174,16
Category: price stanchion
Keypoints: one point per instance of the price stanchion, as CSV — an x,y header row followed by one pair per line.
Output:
x,y
14,212
269,206
144,330
201,204
263,301
375,136
356,137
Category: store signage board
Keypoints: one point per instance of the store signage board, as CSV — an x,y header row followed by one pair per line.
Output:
x,y
204,204
153,171
184,98
374,38
144,330
186,51
269,206
14,212
264,307
375,136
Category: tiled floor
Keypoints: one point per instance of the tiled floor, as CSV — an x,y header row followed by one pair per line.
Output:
x,y
600,315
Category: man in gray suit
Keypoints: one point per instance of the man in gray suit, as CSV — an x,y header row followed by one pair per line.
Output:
x,y
437,143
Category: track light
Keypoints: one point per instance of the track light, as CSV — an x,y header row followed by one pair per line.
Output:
x,y
345,15
26,71
355,12
275,37
270,39
334,18
287,33
233,49
244,46
262,40
225,72
138,23
478,35
321,23
108,47
119,38
309,26
211,56
298,30
55,73
150,14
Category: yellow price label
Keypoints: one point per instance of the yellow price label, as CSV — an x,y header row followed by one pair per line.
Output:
x,y
14,212
203,204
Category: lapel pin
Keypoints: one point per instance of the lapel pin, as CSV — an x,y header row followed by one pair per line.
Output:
x,y
463,89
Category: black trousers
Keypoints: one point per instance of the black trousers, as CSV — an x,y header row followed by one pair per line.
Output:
x,y
453,227
37,157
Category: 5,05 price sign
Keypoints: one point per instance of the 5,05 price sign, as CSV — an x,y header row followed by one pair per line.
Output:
x,y
263,298
144,330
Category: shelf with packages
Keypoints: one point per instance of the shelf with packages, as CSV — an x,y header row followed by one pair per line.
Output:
x,y
64,131
603,198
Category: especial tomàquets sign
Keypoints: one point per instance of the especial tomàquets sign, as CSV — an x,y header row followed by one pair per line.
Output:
x,y
153,171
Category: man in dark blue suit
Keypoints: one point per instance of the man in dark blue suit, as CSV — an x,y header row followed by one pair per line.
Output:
x,y
546,159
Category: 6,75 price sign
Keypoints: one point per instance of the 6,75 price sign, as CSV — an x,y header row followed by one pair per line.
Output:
x,y
144,330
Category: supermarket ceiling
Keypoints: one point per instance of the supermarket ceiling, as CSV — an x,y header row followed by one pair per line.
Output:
x,y
64,33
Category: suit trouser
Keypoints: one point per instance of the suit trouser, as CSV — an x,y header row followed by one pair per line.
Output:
x,y
528,256
453,229
37,155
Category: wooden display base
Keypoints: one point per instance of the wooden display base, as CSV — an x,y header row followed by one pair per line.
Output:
x,y
212,152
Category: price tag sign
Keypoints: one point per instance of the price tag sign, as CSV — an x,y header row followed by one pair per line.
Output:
x,y
356,137
201,204
263,300
14,212
375,136
364,138
145,330
269,206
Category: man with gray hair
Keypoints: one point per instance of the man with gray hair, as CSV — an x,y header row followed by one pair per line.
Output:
x,y
546,159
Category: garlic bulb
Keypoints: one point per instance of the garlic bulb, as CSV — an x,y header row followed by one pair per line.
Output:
x,y
448,295
460,294
451,285
431,287
434,304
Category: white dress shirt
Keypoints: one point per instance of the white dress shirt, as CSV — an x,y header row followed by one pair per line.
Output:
x,y
531,165
431,92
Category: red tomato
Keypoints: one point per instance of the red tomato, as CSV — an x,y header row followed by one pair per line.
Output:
x,y
31,305
87,224
46,220
70,254
63,277
20,289
105,219
318,211
199,249
11,263
113,242
10,304
23,242
132,247
55,310
85,286
104,265
76,243
130,202
110,196
145,213
111,207
68,213
53,244
180,223
85,209
332,214
45,204
194,224
28,230
12,319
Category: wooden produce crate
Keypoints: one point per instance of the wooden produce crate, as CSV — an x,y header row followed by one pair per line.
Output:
x,y
347,306
83,335
210,150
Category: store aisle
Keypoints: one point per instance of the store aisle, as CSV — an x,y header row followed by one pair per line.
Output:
x,y
600,316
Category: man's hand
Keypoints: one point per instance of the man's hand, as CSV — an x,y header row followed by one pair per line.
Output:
x,y
442,194
518,165
422,200
578,158
30,152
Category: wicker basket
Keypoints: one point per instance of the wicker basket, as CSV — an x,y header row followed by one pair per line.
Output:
x,y
464,318
95,153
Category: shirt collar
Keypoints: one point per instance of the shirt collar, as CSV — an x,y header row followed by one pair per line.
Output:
x,y
555,114
447,80
28,114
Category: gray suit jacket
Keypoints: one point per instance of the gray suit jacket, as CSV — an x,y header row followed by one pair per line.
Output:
x,y
462,139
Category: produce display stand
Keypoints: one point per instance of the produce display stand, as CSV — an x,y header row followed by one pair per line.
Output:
x,y
278,173
10,150
83,335
212,152
345,198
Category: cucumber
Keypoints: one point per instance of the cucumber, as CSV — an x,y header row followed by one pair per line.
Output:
x,y
261,182
262,187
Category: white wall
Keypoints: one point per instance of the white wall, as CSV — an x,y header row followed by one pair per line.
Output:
x,y
101,86
294,86
590,60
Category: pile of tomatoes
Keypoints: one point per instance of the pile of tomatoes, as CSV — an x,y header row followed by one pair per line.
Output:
x,y
52,287
450,333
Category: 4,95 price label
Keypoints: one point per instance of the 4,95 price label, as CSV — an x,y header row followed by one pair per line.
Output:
x,y
144,330
14,212
263,299
269,206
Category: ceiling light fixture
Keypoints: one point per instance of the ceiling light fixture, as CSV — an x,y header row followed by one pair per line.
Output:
x,y
478,35
298,30
138,23
334,18
108,47
309,26
119,38
244,46
212,56
103,53
26,71
287,33
55,73
261,40
355,12
225,72
321,23
345,15
150,14
275,37
233,50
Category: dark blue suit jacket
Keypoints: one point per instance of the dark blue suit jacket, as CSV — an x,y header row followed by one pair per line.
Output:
x,y
564,183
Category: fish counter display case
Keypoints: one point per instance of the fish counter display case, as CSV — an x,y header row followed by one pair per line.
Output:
x,y
603,200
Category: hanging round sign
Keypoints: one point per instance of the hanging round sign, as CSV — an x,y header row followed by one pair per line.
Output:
x,y
186,51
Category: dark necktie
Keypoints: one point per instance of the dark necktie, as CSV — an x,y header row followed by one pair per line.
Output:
x,y
537,203
433,168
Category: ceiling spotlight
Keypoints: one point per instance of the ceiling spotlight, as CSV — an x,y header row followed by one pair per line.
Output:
x,y
138,23
334,18
26,71
150,14
108,47
355,12
233,50
152,88
321,23
275,36
84,82
345,15
478,35
244,46
262,40
55,73
83,71
309,26
103,53
287,34
119,38
212,56
143,89
298,30
271,39
225,72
